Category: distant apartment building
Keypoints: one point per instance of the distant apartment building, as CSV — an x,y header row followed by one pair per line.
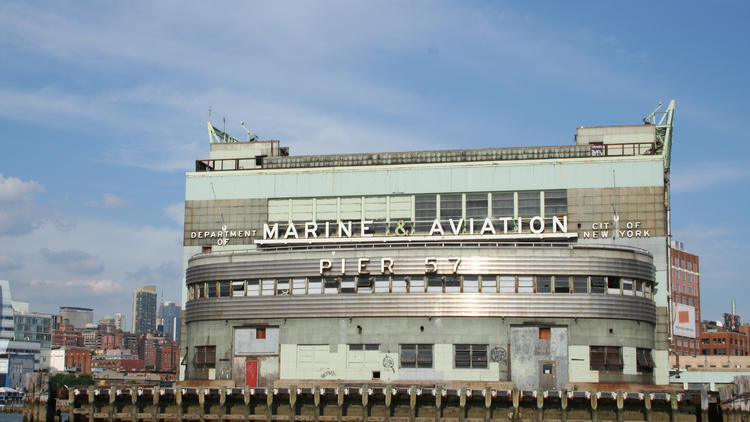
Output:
x,y
117,360
77,317
106,324
120,322
686,301
67,335
144,310
172,314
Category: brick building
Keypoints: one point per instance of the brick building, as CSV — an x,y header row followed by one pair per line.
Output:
x,y
67,335
686,301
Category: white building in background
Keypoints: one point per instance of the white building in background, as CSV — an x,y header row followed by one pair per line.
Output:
x,y
9,346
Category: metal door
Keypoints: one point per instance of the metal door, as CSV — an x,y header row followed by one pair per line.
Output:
x,y
547,374
251,373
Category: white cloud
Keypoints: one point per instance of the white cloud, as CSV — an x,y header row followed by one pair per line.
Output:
x,y
109,200
703,176
19,213
97,287
176,212
15,189
8,263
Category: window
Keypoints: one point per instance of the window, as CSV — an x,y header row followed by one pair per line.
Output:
x,y
253,287
364,284
471,284
223,289
425,211
627,286
555,203
416,355
450,207
529,204
382,284
502,206
347,284
211,288
416,284
331,286
613,285
282,287
201,290
205,356
543,283
597,285
476,206
314,285
452,284
470,355
507,284
357,347
260,333
580,284
525,284
238,288
268,287
562,284
298,286
434,283
400,284
545,333
605,358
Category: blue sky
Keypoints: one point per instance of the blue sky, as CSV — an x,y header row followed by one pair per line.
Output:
x,y
103,109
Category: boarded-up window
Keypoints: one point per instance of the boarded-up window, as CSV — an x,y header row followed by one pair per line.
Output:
x,y
543,283
416,355
644,361
544,333
470,355
205,356
605,358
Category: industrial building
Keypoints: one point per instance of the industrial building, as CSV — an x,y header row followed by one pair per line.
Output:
x,y
542,266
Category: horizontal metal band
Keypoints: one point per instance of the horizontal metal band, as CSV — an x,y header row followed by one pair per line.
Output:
x,y
423,305
560,262
416,239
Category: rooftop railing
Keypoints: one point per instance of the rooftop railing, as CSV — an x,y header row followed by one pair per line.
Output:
x,y
429,157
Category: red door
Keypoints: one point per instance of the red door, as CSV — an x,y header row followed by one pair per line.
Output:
x,y
251,373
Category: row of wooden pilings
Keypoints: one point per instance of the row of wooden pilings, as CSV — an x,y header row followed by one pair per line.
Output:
x,y
370,404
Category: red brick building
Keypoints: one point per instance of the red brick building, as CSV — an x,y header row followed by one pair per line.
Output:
x,y
67,336
78,360
169,356
718,341
686,293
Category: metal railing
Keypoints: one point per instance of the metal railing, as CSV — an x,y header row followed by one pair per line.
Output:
x,y
498,154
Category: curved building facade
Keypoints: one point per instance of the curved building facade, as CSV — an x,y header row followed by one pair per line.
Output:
x,y
544,267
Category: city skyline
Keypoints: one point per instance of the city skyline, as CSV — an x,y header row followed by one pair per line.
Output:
x,y
101,120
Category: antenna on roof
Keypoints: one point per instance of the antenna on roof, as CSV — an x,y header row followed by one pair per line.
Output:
x,y
251,137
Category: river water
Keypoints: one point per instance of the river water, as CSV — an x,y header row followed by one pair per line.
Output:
x,y
11,417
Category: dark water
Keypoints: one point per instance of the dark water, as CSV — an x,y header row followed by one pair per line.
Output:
x,y
11,417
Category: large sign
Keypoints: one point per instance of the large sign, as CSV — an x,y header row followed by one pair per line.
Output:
x,y
683,320
463,229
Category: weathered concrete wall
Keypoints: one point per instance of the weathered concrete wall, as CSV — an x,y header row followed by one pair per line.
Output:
x,y
527,349
316,348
